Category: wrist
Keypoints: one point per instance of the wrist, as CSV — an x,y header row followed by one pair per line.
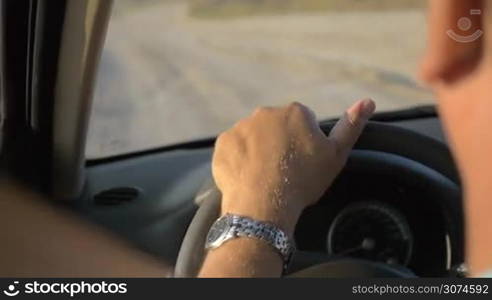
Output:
x,y
283,213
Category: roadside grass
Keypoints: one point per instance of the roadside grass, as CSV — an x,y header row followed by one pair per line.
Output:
x,y
243,8
123,7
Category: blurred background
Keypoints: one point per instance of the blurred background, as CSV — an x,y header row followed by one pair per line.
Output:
x,y
175,71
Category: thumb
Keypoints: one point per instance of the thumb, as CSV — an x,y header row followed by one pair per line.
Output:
x,y
348,129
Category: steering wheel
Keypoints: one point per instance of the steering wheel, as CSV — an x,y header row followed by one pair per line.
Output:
x,y
381,148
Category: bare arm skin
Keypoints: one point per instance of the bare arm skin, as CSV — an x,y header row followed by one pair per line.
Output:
x,y
39,240
461,76
269,167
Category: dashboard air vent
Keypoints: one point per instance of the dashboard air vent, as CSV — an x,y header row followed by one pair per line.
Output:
x,y
116,196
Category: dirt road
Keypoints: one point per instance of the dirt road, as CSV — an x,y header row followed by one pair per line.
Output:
x,y
167,78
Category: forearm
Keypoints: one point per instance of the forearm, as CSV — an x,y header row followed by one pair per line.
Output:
x,y
39,240
478,207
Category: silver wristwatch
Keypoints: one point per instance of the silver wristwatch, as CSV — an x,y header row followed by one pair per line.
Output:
x,y
232,226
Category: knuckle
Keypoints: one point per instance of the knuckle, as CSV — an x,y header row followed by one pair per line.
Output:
x,y
222,138
298,109
237,125
261,110
352,122
296,106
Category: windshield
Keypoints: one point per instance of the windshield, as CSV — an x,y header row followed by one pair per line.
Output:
x,y
176,71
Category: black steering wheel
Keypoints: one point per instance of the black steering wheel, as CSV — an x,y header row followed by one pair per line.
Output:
x,y
382,148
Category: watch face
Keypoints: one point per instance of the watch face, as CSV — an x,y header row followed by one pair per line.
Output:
x,y
216,233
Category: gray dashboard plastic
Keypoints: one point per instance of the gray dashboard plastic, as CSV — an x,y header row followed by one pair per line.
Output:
x,y
157,220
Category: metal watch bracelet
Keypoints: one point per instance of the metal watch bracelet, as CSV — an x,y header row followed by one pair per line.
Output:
x,y
232,226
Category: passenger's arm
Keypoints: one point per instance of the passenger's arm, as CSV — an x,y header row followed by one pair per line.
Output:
x,y
40,240
461,74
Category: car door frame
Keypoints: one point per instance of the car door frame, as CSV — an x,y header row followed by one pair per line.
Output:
x,y
52,52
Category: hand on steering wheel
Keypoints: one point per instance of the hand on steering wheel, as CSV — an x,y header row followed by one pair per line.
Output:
x,y
382,148
273,164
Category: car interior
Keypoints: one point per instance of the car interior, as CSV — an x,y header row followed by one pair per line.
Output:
x,y
397,204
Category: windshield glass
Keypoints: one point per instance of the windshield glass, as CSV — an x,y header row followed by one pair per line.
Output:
x,y
176,71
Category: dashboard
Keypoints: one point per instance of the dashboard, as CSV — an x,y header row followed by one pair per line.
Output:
x,y
383,219
388,215
393,216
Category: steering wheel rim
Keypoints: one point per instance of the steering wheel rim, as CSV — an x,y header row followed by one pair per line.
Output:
x,y
397,141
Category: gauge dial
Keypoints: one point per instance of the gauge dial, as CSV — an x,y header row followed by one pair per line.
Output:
x,y
371,230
